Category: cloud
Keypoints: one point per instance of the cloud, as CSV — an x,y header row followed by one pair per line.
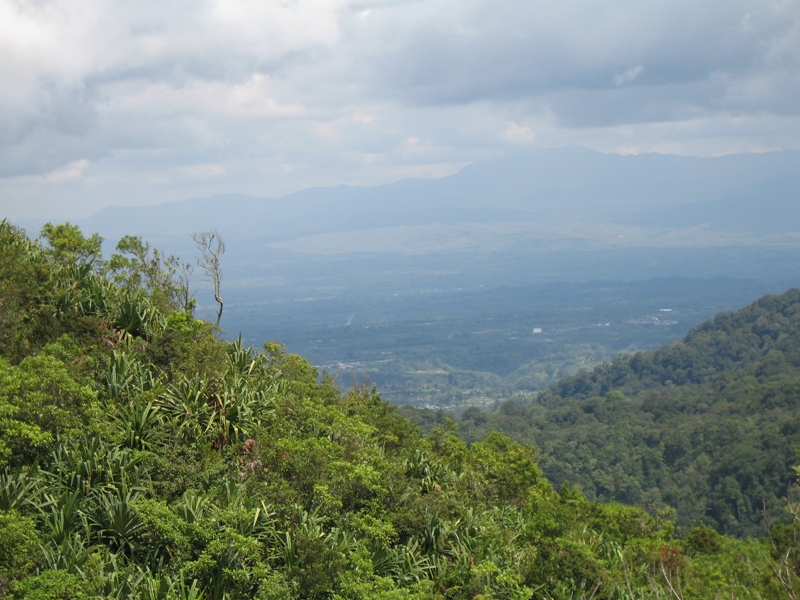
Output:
x,y
519,133
71,172
478,51
335,89
204,170
628,75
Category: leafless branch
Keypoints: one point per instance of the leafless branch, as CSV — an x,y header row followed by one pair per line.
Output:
x,y
211,249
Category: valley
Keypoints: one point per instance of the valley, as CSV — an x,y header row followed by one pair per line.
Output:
x,y
458,347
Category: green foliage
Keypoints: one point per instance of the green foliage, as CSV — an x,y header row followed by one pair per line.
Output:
x,y
19,547
135,316
51,585
67,245
506,465
40,399
145,458
163,278
702,540
706,426
26,277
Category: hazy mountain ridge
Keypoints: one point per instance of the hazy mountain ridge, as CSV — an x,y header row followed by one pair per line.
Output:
x,y
533,217
553,185
766,208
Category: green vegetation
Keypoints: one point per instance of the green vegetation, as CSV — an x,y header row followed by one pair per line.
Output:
x,y
145,458
707,425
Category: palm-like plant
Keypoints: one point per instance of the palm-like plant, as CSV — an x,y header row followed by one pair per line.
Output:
x,y
186,403
162,586
308,526
191,507
89,464
135,418
145,584
64,517
119,375
70,281
237,409
432,476
242,360
135,317
127,377
113,516
226,410
20,490
406,564
80,287
136,422
70,554
96,296
89,503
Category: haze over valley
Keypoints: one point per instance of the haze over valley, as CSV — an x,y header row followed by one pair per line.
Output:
x,y
499,279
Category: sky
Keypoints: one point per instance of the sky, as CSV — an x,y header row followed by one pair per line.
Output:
x,y
135,103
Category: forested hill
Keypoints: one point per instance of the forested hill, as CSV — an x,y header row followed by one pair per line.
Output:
x,y
142,457
761,340
708,425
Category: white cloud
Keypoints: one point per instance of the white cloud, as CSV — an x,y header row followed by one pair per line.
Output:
x,y
517,133
254,97
628,75
71,172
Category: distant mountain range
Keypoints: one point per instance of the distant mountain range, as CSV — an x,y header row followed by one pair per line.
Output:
x,y
741,193
564,214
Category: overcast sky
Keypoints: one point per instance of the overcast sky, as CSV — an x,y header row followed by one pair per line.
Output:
x,y
143,102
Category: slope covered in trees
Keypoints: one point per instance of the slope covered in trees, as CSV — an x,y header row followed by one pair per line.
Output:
x,y
141,457
707,425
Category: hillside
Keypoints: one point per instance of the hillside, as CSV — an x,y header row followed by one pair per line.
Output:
x,y
707,425
141,457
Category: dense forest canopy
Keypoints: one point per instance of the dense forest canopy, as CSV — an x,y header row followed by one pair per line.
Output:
x,y
142,457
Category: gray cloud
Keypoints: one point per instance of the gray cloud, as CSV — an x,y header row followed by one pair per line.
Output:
x,y
510,51
132,102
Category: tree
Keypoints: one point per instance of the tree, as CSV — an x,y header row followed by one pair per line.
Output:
x,y
40,400
164,277
26,299
67,245
211,249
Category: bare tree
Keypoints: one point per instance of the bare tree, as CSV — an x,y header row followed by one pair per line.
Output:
x,y
184,276
211,249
